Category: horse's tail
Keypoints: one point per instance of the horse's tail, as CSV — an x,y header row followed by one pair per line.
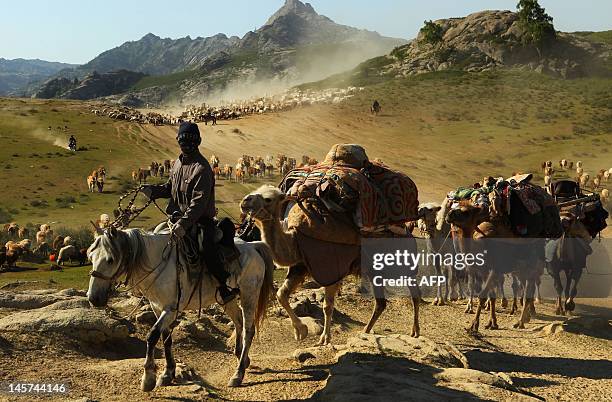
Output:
x,y
267,287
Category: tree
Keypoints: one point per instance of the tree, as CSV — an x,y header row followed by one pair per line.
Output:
x,y
537,24
432,32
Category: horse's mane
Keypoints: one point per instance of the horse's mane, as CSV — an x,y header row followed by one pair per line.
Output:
x,y
126,247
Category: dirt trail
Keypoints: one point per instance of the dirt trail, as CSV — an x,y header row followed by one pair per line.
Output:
x,y
548,359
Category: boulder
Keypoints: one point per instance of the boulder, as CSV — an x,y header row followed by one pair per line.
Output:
x,y
91,325
314,326
146,317
301,355
421,349
70,292
398,367
75,302
30,300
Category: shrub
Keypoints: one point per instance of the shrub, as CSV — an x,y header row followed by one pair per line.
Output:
x,y
432,32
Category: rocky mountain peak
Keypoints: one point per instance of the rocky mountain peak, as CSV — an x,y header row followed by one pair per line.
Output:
x,y
293,7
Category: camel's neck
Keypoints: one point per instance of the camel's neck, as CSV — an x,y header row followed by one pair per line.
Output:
x,y
282,243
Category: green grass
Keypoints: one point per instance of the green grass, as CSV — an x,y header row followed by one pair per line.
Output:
x,y
68,277
164,80
602,36
45,183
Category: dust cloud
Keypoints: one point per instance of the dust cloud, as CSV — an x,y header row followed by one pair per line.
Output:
x,y
288,69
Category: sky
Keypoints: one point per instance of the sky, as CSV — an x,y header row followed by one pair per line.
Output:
x,y
76,31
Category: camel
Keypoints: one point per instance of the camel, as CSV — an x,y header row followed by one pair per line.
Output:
x,y
440,241
266,206
475,223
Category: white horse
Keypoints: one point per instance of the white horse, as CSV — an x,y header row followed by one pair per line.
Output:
x,y
148,261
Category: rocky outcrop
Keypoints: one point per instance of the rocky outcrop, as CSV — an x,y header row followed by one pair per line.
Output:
x,y
404,368
32,299
98,85
492,39
55,87
66,312
94,85
86,324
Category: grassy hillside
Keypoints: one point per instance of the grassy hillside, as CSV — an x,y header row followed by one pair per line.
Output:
x,y
444,130
602,36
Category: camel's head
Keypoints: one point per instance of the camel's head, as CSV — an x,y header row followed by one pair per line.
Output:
x,y
427,217
466,217
263,203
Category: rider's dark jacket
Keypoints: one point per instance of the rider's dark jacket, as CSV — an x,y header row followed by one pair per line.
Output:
x,y
191,189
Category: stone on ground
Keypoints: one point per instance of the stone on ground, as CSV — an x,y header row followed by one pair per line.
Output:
x,y
85,324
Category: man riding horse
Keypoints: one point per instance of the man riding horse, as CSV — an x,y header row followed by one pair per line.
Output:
x,y
191,189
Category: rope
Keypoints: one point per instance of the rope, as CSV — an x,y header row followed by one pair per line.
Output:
x,y
129,214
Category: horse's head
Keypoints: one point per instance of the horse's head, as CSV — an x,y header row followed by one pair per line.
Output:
x,y
113,254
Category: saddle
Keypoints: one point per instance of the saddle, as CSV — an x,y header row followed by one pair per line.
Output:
x,y
225,231
193,246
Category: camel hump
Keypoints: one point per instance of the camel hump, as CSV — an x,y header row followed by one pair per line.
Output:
x,y
351,155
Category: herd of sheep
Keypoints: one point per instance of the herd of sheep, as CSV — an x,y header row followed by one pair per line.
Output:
x,y
596,182
62,248
232,109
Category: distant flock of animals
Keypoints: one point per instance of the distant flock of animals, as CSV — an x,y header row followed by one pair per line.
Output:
x,y
584,179
47,244
233,109
246,167
133,115
155,169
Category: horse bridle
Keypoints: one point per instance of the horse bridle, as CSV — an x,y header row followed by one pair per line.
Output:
x,y
95,274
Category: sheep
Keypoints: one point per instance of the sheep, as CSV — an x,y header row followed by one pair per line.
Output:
x,y
584,180
596,182
607,175
57,243
547,184
43,249
579,164
71,253
12,229
68,241
41,237
23,233
25,244
13,252
604,195
579,171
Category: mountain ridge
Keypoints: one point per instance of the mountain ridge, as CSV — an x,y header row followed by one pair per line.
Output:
x,y
294,26
18,73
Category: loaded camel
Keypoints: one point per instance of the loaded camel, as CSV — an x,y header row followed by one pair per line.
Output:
x,y
437,236
473,227
266,206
